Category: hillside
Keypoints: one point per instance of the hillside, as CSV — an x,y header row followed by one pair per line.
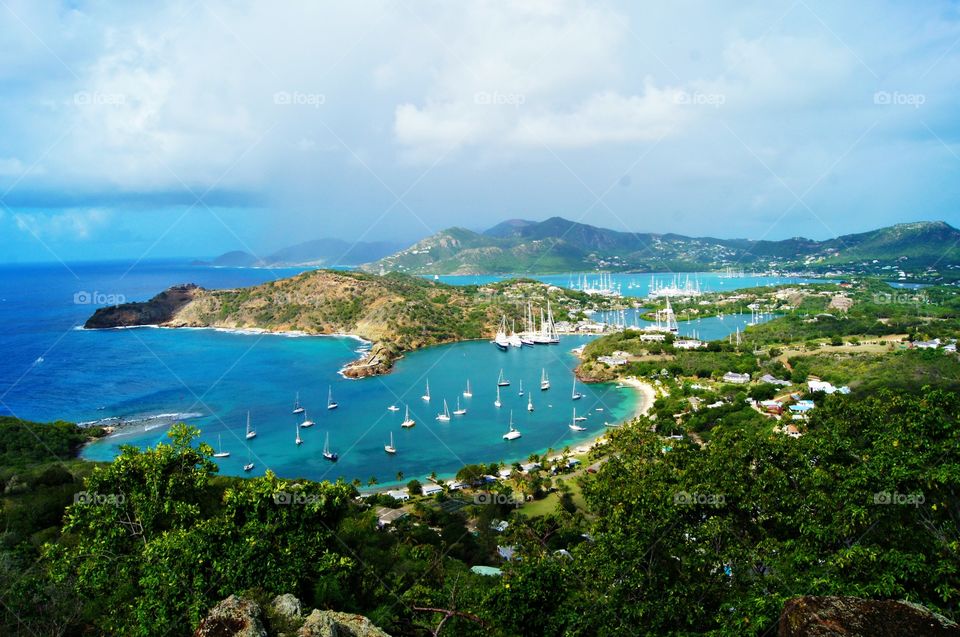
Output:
x,y
559,245
397,312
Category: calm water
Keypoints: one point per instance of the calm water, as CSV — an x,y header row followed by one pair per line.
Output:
x,y
638,284
52,370
708,328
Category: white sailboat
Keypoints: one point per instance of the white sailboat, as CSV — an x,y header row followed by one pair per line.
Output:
x,y
299,440
249,466
393,408
550,330
444,416
390,448
407,420
575,395
306,421
297,407
514,338
573,423
459,411
530,402
512,434
426,395
331,404
468,393
501,340
497,402
220,452
329,455
501,381
251,433
520,393
544,380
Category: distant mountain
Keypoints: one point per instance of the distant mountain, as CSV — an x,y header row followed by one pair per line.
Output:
x,y
319,252
236,258
560,245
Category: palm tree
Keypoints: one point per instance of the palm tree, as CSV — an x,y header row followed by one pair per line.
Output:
x,y
372,481
357,482
399,476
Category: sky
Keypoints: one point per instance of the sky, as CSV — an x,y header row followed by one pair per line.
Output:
x,y
162,129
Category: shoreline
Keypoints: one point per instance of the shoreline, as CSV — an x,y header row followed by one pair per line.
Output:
x,y
243,331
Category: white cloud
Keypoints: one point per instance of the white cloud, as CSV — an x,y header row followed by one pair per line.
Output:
x,y
604,118
77,225
148,95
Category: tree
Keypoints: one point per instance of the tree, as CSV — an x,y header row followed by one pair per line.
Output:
x,y
414,487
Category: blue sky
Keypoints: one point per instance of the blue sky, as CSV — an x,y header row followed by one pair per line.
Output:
x,y
192,128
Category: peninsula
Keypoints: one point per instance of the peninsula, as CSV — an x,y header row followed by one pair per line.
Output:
x,y
395,312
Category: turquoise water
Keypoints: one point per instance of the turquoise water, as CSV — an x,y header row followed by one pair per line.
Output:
x,y
638,284
707,328
151,377
224,374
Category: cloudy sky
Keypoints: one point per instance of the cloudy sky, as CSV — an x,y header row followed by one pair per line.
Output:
x,y
191,128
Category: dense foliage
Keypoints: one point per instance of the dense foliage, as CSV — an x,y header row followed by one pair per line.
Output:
x,y
714,540
674,539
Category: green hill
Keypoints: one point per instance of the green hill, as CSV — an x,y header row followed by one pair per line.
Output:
x,y
396,312
559,245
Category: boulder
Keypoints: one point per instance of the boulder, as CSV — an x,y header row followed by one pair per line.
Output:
x,y
287,607
233,617
812,616
326,623
242,617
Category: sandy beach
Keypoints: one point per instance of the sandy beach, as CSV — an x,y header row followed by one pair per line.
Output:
x,y
647,394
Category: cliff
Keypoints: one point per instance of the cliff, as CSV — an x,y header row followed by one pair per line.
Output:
x,y
159,310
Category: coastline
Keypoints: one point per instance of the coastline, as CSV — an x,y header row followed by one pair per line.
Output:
x,y
647,392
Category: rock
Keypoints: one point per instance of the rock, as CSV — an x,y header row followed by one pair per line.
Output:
x,y
287,606
233,617
241,617
855,617
157,311
326,623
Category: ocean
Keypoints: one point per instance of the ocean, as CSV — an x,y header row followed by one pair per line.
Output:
x,y
148,378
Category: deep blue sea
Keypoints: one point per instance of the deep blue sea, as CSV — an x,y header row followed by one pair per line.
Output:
x,y
51,369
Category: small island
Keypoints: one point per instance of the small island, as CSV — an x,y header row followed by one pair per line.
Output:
x,y
397,313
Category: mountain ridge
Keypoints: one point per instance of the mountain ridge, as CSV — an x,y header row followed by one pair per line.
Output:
x,y
560,245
